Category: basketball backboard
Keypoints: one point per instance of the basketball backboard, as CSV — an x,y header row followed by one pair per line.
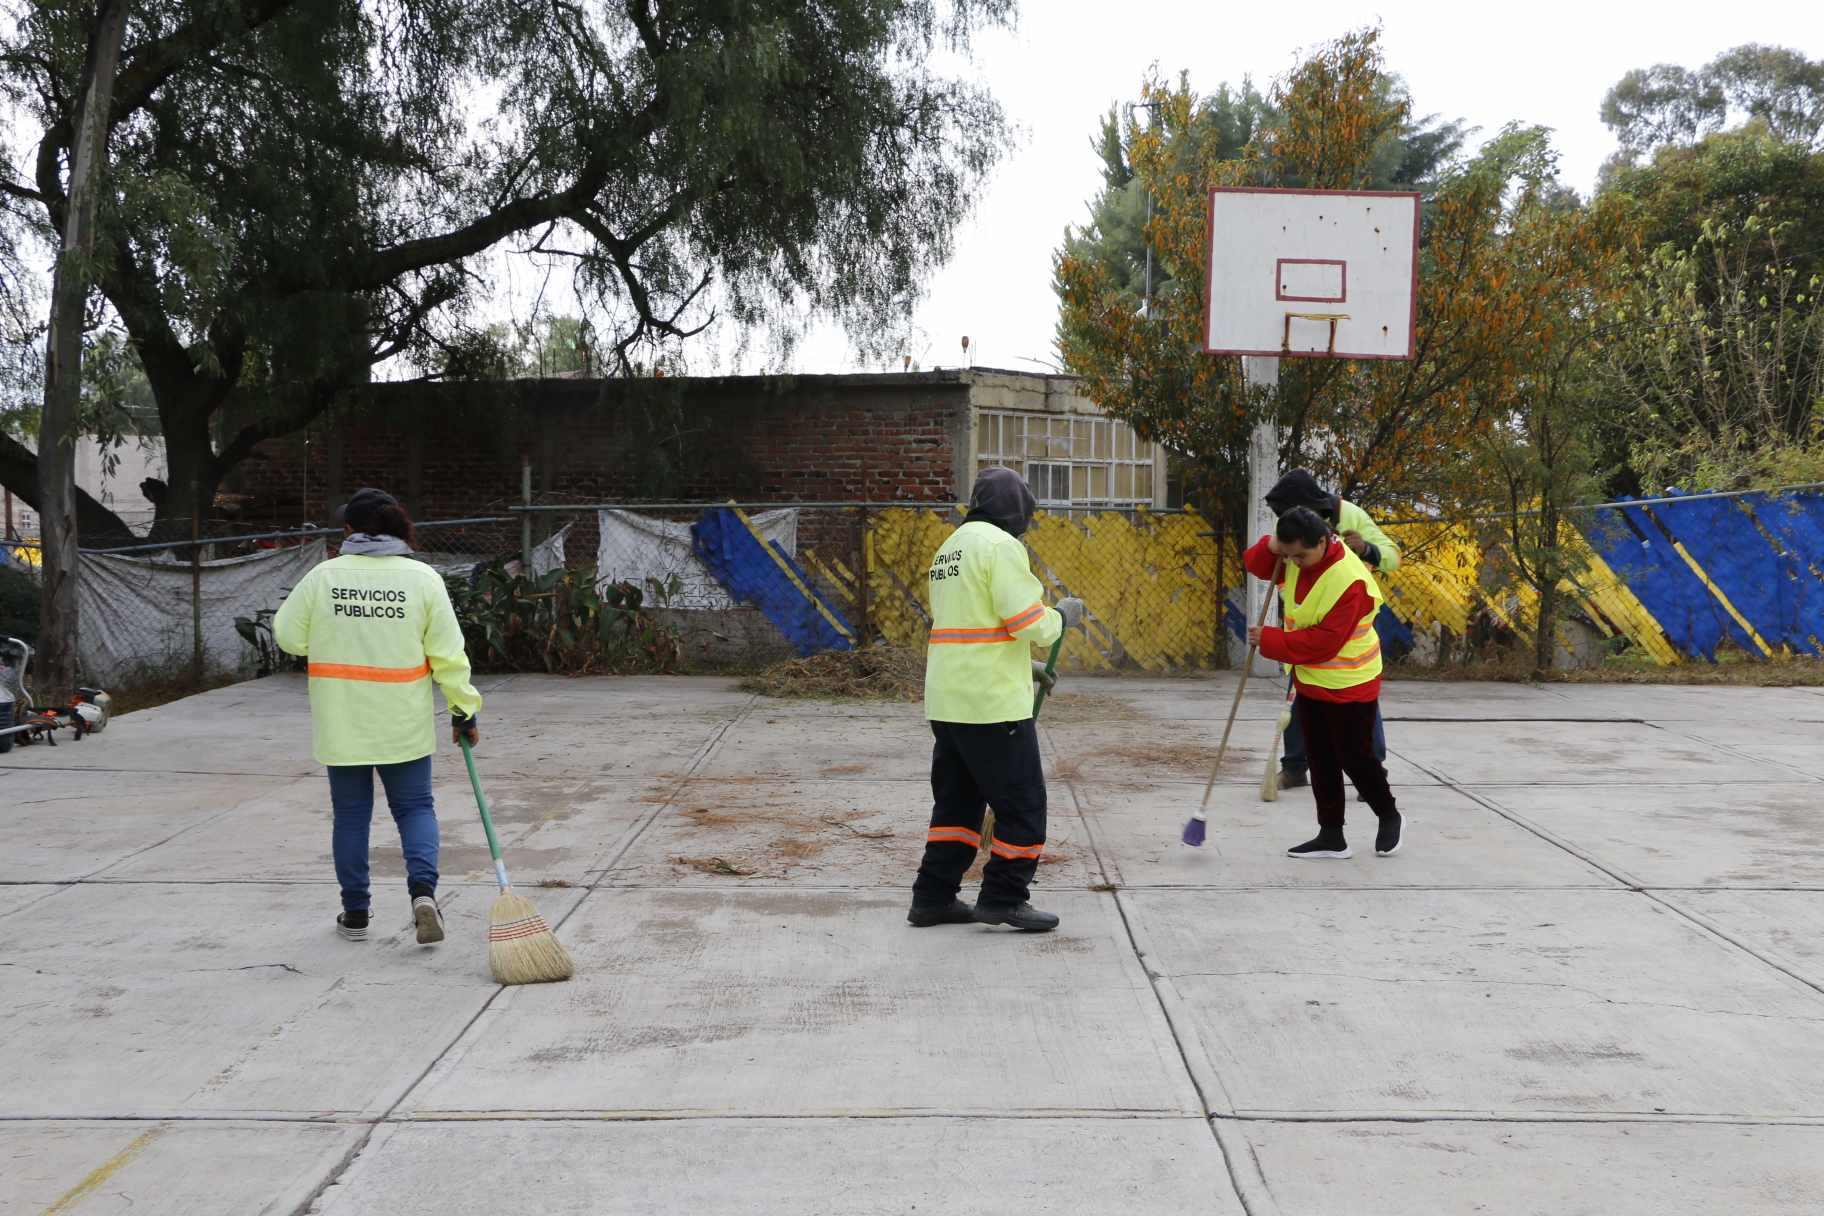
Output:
x,y
1321,274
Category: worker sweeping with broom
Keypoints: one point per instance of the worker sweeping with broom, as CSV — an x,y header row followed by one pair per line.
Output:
x,y
378,628
1300,488
1330,603
986,615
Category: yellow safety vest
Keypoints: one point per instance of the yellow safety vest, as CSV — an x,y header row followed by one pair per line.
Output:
x,y
377,631
986,615
1359,661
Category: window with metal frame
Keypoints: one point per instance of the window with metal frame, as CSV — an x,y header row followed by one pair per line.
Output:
x,y
1070,462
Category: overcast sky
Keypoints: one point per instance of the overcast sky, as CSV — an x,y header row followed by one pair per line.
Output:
x,y
1547,62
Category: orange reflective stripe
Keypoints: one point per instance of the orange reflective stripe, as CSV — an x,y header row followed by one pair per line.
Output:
x,y
374,675
1016,623
1361,660
954,835
1017,852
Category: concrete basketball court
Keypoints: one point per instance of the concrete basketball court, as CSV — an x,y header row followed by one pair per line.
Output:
x,y
1593,982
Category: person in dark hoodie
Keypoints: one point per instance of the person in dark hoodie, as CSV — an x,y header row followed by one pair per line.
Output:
x,y
1300,488
986,615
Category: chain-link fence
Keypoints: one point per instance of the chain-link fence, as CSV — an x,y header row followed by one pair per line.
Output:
x,y
201,610
742,584
1660,581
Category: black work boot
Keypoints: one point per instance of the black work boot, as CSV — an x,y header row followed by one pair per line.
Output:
x,y
1293,778
352,925
956,912
1020,916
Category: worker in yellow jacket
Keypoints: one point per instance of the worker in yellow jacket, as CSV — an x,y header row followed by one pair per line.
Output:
x,y
986,615
377,627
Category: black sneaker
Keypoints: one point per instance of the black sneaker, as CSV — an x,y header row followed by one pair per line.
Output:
x,y
956,912
1293,778
1391,836
1322,848
1020,916
352,925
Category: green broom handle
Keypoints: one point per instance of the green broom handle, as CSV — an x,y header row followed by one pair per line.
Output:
x,y
1051,665
487,820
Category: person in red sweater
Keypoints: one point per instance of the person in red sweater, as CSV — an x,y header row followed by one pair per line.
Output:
x,y
1329,640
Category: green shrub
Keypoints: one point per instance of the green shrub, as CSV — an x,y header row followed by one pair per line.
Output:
x,y
560,623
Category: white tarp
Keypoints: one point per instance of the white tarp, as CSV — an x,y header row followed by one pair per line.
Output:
x,y
637,548
549,555
136,612
546,557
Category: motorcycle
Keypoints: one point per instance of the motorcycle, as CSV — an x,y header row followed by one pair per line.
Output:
x,y
23,722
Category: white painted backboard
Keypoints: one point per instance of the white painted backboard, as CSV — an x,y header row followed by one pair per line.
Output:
x,y
1323,274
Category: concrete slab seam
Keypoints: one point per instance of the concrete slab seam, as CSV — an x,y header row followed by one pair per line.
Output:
x,y
59,889
1768,957
1168,1008
1640,888
1804,775
1521,1118
463,1032
677,787
1251,1185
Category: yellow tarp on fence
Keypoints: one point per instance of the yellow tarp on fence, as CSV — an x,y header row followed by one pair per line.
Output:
x,y
1157,601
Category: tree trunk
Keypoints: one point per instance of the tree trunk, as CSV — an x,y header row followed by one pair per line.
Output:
x,y
56,674
1546,563
191,478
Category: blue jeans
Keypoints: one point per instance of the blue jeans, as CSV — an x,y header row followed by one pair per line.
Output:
x,y
408,793
1295,759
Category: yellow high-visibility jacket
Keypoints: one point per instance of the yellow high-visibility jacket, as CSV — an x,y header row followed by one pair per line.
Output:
x,y
1359,661
986,615
377,630
1351,518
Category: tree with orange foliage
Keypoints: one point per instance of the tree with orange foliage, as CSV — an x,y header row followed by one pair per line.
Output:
x,y
1568,271
1402,434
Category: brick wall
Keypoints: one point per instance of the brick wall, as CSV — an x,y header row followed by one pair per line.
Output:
x,y
452,451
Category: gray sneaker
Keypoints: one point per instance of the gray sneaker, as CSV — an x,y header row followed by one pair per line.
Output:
x,y
429,920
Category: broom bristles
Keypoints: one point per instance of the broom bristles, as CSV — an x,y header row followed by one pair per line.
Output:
x,y
521,947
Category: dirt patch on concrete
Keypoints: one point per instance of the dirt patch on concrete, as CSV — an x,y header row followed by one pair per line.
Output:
x,y
1133,761
1069,708
719,866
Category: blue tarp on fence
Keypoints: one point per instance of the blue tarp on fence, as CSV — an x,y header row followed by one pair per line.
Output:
x,y
764,575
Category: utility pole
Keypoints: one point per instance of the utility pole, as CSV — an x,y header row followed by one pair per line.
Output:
x,y
1152,107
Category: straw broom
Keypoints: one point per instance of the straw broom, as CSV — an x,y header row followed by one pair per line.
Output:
x,y
521,947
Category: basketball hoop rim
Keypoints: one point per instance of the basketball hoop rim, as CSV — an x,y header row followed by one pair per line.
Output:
x,y
1209,269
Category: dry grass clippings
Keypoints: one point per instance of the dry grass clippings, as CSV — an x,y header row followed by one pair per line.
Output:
x,y
714,865
880,672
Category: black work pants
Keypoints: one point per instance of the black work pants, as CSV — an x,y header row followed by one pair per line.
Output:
x,y
1339,738
973,767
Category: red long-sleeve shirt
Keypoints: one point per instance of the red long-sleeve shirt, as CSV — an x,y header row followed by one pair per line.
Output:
x,y
1323,641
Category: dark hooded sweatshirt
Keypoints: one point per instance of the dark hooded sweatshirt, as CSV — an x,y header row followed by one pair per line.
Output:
x,y
1002,497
